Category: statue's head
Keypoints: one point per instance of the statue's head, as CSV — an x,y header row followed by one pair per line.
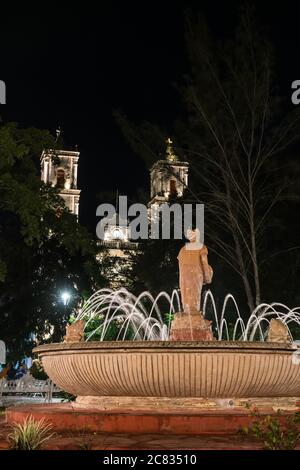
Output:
x,y
193,235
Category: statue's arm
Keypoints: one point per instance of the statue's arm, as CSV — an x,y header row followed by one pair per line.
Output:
x,y
206,268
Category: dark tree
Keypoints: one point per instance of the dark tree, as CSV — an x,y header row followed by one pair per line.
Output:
x,y
236,132
43,250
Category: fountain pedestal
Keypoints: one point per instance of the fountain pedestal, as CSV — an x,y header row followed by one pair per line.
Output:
x,y
155,415
191,327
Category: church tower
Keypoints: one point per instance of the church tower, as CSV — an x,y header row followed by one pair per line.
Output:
x,y
60,168
169,177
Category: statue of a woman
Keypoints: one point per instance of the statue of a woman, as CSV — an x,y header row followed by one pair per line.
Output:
x,y
194,271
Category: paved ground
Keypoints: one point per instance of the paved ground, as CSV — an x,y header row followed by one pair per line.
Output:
x,y
151,442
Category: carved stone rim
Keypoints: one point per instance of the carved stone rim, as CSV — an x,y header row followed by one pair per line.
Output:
x,y
164,346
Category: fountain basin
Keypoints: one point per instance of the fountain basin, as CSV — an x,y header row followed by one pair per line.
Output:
x,y
213,369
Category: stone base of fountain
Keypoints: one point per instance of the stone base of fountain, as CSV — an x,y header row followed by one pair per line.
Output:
x,y
191,327
189,405
167,387
152,415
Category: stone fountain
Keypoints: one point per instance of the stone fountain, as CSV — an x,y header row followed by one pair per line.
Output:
x,y
183,372
192,364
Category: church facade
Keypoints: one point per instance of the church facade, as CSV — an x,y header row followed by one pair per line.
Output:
x,y
168,180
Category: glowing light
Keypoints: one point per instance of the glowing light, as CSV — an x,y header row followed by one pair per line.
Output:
x,y
65,297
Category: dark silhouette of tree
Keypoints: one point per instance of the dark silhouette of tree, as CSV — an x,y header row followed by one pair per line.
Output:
x,y
234,131
43,250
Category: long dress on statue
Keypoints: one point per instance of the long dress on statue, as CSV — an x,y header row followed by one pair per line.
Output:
x,y
194,271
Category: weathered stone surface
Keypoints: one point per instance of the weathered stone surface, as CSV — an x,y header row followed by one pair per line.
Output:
x,y
188,405
278,332
75,332
191,327
129,423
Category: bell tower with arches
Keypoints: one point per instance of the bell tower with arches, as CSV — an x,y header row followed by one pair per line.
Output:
x,y
168,177
60,168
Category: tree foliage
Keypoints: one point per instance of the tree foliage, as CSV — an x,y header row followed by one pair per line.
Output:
x,y
43,250
238,134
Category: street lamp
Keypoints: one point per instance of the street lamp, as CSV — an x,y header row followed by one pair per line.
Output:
x,y
65,296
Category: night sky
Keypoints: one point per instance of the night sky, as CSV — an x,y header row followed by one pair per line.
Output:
x,y
71,68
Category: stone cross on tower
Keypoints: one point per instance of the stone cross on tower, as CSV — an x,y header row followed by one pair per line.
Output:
x,y
170,155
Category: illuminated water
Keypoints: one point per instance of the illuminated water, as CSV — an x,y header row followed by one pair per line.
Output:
x,y
148,318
